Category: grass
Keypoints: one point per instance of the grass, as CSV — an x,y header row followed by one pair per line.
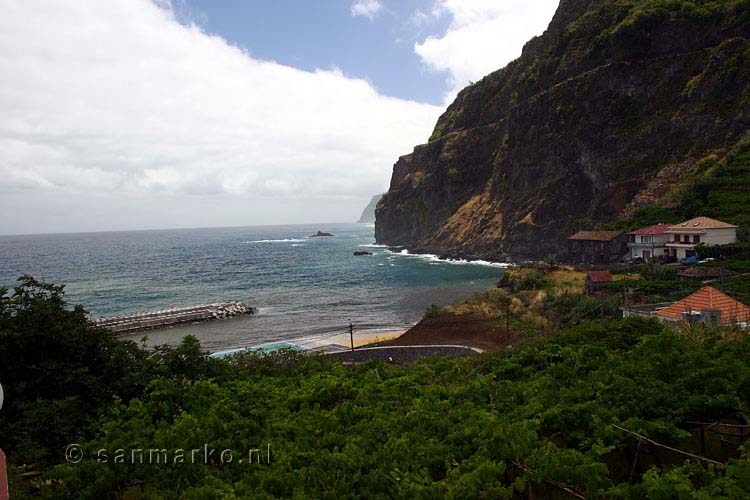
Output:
x,y
568,280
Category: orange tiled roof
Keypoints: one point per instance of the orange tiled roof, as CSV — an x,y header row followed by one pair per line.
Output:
x,y
595,235
699,224
601,276
656,229
708,297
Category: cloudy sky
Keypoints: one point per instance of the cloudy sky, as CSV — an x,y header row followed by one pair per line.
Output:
x,y
140,114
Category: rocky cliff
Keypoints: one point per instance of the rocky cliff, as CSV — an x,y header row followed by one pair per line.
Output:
x,y
612,107
368,214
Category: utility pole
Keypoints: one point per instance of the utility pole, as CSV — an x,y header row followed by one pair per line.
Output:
x,y
507,323
722,258
351,337
506,300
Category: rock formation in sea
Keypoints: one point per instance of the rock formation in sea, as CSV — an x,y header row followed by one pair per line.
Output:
x,y
368,214
613,107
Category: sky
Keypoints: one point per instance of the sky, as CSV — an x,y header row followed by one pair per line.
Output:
x,y
145,114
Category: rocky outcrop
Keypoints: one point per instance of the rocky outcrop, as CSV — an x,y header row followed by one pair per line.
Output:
x,y
614,103
320,234
368,214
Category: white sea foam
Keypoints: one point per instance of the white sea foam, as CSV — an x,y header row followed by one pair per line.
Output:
x,y
461,262
373,245
287,240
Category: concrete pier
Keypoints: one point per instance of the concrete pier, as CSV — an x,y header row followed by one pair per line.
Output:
x,y
139,322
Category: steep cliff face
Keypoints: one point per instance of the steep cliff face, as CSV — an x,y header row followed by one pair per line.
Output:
x,y
615,95
368,214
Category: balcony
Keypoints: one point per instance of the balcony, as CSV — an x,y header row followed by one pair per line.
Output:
x,y
638,244
681,244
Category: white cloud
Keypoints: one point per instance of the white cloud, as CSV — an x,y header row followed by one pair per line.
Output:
x,y
115,115
367,8
484,35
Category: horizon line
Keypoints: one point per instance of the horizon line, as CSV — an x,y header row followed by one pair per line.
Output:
x,y
99,231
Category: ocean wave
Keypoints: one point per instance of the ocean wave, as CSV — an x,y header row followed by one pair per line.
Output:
x,y
373,245
287,240
461,262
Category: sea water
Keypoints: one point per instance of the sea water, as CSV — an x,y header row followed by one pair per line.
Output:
x,y
302,286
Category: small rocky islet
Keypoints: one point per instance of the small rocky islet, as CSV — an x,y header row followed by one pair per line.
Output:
x,y
321,234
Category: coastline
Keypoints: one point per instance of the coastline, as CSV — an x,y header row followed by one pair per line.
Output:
x,y
322,343
302,287
457,261
433,258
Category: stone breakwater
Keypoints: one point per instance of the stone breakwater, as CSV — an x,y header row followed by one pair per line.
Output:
x,y
139,322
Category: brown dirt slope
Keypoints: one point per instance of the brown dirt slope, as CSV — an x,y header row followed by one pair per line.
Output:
x,y
459,329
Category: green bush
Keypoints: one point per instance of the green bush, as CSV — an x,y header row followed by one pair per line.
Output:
x,y
570,309
60,372
737,251
433,311
527,281
486,426
479,427
655,271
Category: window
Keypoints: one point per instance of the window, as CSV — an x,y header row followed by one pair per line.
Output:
x,y
645,239
686,239
696,238
676,238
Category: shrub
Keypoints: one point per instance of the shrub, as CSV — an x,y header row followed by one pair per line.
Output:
x,y
433,311
739,251
654,271
570,309
527,281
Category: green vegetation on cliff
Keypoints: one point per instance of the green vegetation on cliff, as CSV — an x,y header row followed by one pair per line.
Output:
x,y
720,188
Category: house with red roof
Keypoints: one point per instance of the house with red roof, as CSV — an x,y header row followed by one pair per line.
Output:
x,y
595,280
649,242
684,237
707,305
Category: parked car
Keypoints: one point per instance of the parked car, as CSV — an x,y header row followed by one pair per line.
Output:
x,y
667,259
690,261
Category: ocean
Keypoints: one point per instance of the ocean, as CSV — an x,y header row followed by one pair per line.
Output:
x,y
301,286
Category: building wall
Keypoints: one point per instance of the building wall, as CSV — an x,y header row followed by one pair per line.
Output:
x,y
597,252
724,236
646,252
647,246
720,236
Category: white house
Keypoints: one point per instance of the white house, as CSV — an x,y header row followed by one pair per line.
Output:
x,y
683,238
649,242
